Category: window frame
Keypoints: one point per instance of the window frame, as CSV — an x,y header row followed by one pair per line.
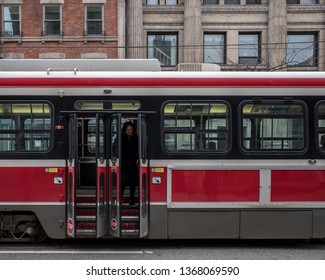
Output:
x,y
301,2
45,33
259,49
93,20
176,47
315,58
319,132
224,34
21,131
274,152
181,130
4,21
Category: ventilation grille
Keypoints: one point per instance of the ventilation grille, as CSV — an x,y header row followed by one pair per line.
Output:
x,y
197,67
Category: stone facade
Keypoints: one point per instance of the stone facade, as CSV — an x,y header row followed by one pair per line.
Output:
x,y
271,19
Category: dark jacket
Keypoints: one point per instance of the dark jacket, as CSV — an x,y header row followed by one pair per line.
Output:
x,y
129,150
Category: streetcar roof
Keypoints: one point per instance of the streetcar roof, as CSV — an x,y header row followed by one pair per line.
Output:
x,y
162,79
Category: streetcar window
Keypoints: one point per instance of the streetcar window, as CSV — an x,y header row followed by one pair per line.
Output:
x,y
107,105
196,126
273,126
25,127
321,125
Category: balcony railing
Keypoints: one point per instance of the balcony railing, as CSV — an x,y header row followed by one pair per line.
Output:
x,y
11,34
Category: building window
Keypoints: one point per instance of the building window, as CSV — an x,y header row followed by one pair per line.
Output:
x,y
302,49
25,127
52,20
231,1
164,48
171,2
304,2
211,2
249,49
11,20
214,48
252,2
196,126
273,126
152,2
94,20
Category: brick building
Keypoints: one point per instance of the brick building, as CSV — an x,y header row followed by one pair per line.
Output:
x,y
236,34
58,29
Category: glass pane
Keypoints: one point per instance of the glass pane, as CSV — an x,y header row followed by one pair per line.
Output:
x,y
171,2
10,13
273,127
301,49
29,125
231,1
7,142
210,1
94,12
152,2
163,48
179,141
94,27
52,13
11,28
214,48
321,125
248,45
107,105
200,126
52,28
248,2
309,2
114,141
91,136
101,148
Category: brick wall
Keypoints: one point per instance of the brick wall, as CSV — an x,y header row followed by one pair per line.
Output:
x,y
73,43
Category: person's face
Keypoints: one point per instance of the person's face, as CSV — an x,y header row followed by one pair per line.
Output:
x,y
129,130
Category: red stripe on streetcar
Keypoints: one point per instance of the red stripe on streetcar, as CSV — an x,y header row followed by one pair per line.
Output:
x,y
162,82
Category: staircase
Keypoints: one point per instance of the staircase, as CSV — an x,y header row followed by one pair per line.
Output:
x,y
129,220
86,217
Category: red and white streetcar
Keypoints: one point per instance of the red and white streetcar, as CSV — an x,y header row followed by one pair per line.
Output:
x,y
221,154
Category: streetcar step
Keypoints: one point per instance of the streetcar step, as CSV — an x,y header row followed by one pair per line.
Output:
x,y
130,218
85,233
85,218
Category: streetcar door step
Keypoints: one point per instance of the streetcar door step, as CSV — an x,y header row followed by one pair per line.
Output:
x,y
85,216
130,221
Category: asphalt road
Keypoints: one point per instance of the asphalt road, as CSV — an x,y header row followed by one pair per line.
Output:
x,y
166,250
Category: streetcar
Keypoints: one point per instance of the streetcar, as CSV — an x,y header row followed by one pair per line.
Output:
x,y
222,155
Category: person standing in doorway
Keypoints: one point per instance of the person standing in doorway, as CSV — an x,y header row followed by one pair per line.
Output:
x,y
129,159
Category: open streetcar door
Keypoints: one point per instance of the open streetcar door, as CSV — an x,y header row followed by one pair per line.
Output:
x,y
126,220
101,182
114,193
72,173
143,175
